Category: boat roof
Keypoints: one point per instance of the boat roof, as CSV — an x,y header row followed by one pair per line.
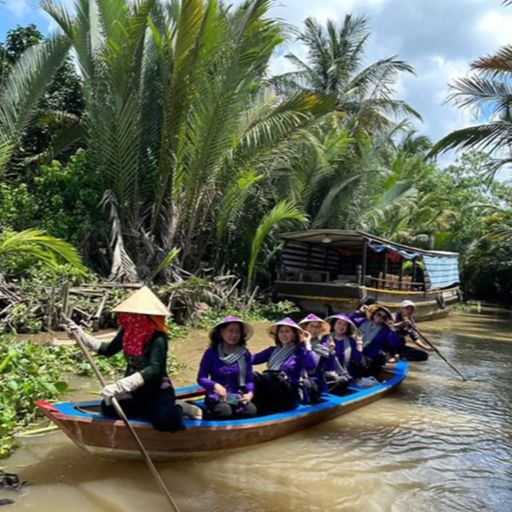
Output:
x,y
353,239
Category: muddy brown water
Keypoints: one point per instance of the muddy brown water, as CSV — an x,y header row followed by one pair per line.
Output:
x,y
436,444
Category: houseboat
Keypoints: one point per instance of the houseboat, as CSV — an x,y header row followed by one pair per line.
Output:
x,y
325,271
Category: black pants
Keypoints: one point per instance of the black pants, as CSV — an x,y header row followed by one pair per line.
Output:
x,y
370,366
223,410
413,354
157,406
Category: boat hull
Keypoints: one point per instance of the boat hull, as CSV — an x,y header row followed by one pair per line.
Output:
x,y
100,435
325,299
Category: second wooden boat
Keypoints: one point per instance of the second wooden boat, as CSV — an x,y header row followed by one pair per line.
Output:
x,y
326,271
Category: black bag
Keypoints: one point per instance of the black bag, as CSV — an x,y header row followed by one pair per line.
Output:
x,y
273,392
335,383
310,390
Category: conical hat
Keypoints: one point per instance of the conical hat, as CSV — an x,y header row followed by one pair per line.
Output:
x,y
288,322
325,327
248,328
142,302
376,307
352,327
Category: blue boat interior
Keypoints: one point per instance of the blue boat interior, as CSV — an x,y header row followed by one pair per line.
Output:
x,y
353,393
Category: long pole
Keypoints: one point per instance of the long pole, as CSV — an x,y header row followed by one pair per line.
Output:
x,y
122,415
439,353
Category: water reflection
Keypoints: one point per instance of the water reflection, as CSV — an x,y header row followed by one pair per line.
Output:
x,y
436,444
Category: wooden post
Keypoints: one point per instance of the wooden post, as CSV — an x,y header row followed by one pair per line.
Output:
x,y
365,257
401,273
50,310
385,271
65,297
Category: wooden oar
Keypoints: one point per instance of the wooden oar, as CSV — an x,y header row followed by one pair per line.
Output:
x,y
439,353
122,415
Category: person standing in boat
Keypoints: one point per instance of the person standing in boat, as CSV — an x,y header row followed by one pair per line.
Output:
x,y
348,343
277,388
225,371
145,391
405,327
329,375
379,340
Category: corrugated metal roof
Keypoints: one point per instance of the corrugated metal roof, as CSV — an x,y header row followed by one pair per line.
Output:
x,y
352,238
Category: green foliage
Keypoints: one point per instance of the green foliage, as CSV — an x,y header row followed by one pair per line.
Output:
x,y
282,212
28,372
61,199
259,312
67,198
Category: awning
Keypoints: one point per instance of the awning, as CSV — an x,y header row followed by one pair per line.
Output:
x,y
442,272
379,247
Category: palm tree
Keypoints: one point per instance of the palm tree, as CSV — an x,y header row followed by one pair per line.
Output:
x,y
488,92
22,90
334,67
399,204
178,116
19,98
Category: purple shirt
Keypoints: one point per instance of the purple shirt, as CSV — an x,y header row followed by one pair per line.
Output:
x,y
385,340
295,366
213,371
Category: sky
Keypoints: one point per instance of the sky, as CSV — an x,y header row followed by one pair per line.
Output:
x,y
439,38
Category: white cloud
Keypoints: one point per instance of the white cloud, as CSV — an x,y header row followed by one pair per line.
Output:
x,y
18,8
497,26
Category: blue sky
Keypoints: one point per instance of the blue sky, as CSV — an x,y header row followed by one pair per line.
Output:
x,y
439,38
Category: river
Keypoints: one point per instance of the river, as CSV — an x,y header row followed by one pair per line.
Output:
x,y
436,444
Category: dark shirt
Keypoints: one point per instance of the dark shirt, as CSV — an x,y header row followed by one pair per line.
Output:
x,y
152,364
406,330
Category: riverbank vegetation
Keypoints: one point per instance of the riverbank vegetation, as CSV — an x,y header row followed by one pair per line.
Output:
x,y
148,142
166,150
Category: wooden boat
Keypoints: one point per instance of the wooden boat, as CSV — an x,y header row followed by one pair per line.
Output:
x,y
327,271
84,424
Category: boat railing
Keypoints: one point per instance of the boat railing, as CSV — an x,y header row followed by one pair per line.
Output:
x,y
393,282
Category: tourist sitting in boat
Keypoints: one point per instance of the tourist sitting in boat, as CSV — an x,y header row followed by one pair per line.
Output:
x,y
405,327
329,375
380,342
348,343
145,391
277,388
225,371
359,315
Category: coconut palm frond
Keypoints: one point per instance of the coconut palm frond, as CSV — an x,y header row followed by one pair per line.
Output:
x,y
49,250
23,88
123,268
165,263
485,137
283,211
233,201
496,65
484,94
332,204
